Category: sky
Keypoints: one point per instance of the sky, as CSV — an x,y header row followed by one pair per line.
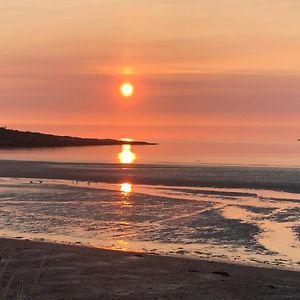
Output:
x,y
215,70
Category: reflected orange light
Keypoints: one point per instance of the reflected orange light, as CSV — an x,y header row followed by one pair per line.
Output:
x,y
120,245
126,156
126,188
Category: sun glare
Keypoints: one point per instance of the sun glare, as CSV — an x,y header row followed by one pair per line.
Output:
x,y
126,140
126,156
126,188
127,89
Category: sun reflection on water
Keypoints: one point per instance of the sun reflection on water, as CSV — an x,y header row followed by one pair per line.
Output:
x,y
126,156
126,188
120,245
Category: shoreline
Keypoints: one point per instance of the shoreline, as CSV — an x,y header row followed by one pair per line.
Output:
x,y
145,164
79,272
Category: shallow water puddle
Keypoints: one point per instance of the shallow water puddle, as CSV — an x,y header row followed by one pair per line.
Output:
x,y
274,236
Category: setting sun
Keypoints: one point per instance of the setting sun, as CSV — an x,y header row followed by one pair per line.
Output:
x,y
127,89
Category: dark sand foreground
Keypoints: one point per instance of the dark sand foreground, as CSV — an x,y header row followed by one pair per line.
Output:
x,y
55,271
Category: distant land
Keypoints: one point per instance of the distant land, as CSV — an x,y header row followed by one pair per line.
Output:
x,y
10,138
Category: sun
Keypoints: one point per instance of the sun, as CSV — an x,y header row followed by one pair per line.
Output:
x,y
127,89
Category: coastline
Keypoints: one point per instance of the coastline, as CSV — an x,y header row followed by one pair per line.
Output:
x,y
79,272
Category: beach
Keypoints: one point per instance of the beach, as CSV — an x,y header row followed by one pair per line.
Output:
x,y
226,213
56,271
105,231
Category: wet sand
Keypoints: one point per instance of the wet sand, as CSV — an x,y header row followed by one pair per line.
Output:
x,y
270,178
246,226
57,271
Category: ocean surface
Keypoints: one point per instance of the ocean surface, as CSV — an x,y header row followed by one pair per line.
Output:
x,y
245,214
282,153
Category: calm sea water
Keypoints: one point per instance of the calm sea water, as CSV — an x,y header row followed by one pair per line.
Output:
x,y
276,154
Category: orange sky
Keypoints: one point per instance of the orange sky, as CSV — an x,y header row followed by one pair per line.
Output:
x,y
217,70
